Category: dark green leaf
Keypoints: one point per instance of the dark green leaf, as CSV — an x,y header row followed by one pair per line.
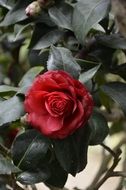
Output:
x,y
86,76
62,59
41,30
30,178
31,154
99,128
16,14
49,39
62,15
71,152
7,167
18,29
58,176
117,91
28,78
114,41
12,109
86,14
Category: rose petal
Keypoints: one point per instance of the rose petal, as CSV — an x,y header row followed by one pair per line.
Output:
x,y
45,123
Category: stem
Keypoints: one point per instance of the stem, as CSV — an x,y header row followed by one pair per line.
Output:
x,y
110,172
105,162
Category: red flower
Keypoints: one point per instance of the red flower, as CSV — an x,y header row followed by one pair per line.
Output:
x,y
57,104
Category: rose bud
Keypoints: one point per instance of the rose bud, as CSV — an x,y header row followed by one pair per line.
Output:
x,y
57,104
33,9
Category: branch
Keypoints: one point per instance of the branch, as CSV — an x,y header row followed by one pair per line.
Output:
x,y
110,171
119,174
104,163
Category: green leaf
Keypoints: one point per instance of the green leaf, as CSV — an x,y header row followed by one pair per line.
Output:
x,y
30,156
12,110
62,59
16,14
49,39
41,30
31,177
18,29
71,152
86,76
7,167
86,14
58,176
4,4
117,91
62,15
6,90
99,128
114,41
28,78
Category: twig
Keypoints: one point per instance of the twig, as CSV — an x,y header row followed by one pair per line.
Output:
x,y
120,185
104,163
119,174
108,149
110,171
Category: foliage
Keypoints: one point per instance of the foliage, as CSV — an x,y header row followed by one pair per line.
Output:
x,y
82,38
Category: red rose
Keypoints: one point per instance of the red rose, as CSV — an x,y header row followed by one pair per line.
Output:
x,y
57,104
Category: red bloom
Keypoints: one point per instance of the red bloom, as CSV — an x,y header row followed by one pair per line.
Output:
x,y
57,104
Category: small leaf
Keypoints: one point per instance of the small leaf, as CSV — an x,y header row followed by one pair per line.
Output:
x,y
99,128
71,152
114,41
86,14
62,59
28,78
16,14
18,29
12,110
31,177
31,154
62,15
5,90
7,167
117,91
86,76
49,39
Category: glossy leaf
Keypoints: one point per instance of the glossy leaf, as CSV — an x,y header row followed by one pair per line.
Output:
x,y
28,78
86,14
7,167
114,41
62,59
5,90
31,154
117,91
71,152
16,14
62,15
49,39
31,177
99,128
86,76
12,110
58,176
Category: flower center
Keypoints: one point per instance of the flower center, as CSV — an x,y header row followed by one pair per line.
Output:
x,y
56,103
